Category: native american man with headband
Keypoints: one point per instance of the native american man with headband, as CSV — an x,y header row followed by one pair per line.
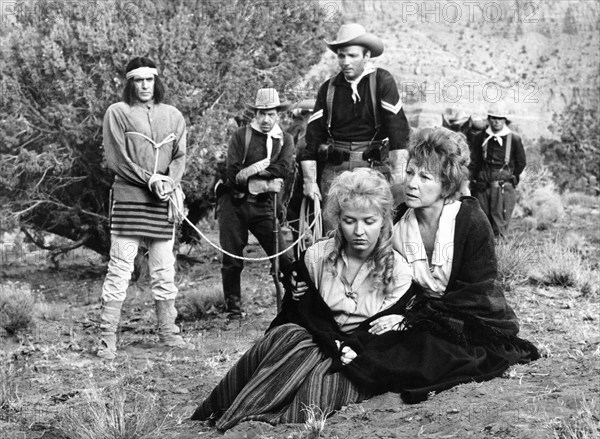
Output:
x,y
145,146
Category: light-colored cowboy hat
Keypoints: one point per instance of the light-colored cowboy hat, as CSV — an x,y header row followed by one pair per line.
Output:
x,y
353,34
267,99
498,109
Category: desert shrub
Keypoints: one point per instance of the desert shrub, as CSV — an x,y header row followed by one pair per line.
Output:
x,y
116,412
200,302
546,206
574,241
49,311
563,267
575,154
212,57
16,307
8,385
516,257
539,197
581,199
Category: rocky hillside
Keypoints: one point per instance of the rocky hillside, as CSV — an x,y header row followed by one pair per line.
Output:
x,y
451,56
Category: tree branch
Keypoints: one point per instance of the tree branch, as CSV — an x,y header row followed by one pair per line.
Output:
x,y
38,202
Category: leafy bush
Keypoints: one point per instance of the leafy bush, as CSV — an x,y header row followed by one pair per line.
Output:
x,y
16,307
63,65
575,154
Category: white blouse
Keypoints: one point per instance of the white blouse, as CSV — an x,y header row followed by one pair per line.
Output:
x,y
407,240
352,304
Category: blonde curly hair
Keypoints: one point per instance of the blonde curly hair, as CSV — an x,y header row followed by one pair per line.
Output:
x,y
364,189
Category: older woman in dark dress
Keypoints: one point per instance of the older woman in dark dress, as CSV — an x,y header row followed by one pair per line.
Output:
x,y
457,326
453,325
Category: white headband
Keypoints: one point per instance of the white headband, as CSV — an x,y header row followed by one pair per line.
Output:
x,y
143,72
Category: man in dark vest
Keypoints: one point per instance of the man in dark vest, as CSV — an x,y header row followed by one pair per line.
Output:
x,y
259,157
497,160
358,119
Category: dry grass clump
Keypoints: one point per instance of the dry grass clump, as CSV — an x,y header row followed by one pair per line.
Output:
x,y
546,207
200,302
315,421
16,307
49,311
516,257
562,267
584,425
116,412
581,199
8,386
540,198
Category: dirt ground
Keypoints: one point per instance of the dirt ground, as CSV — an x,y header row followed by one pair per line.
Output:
x,y
55,359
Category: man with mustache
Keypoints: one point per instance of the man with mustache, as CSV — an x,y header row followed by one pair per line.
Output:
x,y
259,157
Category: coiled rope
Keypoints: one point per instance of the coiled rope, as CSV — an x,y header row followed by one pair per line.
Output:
x,y
316,226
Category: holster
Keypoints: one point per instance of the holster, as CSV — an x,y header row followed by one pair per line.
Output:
x,y
330,154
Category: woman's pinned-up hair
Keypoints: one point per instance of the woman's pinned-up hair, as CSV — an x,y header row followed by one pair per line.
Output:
x,y
367,190
444,153
129,93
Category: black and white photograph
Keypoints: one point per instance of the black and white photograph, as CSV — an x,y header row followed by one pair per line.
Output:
x,y
299,219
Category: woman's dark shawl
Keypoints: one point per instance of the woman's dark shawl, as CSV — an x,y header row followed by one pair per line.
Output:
x,y
469,334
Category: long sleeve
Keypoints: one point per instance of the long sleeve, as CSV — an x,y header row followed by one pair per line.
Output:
x,y
235,159
518,157
316,130
476,156
281,164
177,165
393,120
113,132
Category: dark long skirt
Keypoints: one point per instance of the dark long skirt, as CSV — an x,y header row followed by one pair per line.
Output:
x,y
276,380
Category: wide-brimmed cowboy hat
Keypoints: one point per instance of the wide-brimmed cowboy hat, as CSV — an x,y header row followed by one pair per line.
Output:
x,y
267,99
498,110
353,34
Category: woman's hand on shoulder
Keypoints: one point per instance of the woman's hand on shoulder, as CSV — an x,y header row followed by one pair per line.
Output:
x,y
392,322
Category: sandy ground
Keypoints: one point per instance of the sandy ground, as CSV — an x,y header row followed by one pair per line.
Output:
x,y
55,359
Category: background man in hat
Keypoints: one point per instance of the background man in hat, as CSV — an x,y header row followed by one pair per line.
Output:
x,y
258,159
497,160
145,146
355,112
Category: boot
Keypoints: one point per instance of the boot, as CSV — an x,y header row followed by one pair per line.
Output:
x,y
109,323
232,292
168,331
